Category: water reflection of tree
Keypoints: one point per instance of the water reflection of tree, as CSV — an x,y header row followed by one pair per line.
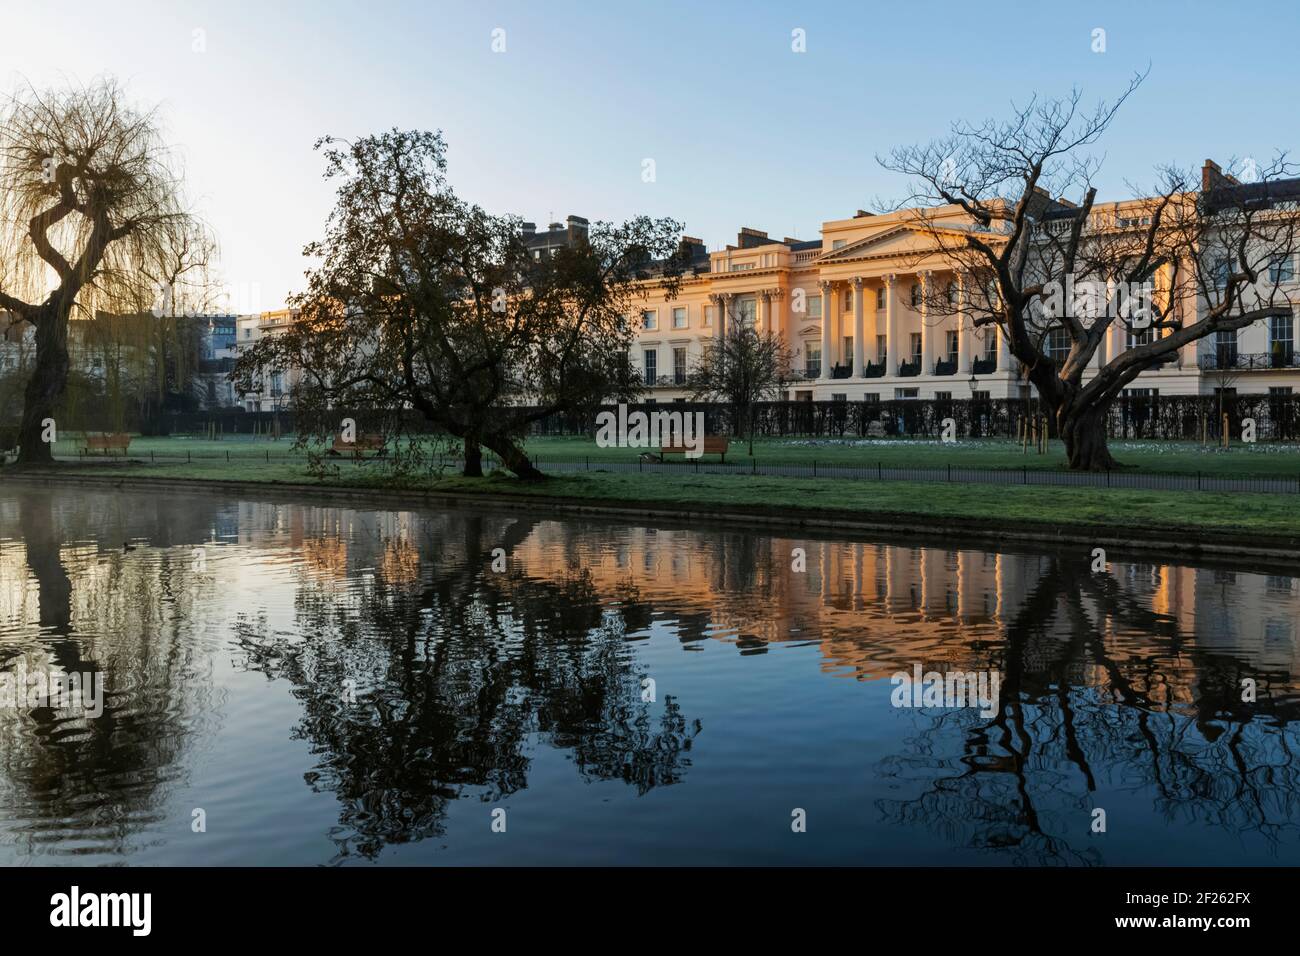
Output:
x,y
1078,712
103,779
456,674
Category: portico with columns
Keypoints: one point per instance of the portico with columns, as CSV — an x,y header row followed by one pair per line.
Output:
x,y
864,313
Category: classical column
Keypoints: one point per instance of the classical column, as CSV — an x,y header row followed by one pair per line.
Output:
x,y
964,360
828,302
859,327
1004,353
927,333
722,301
774,311
891,341
760,311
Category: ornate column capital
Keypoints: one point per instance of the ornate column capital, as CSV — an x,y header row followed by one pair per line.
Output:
x,y
888,279
826,284
857,283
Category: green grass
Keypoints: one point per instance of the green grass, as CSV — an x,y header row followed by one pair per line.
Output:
x,y
1011,505
1241,460
1165,457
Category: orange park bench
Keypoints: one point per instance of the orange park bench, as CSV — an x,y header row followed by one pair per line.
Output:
x,y
374,445
712,445
108,443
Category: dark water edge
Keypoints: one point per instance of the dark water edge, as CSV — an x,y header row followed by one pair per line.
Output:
x,y
337,684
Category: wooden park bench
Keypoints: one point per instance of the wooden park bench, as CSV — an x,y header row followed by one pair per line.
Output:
x,y
712,445
372,444
107,443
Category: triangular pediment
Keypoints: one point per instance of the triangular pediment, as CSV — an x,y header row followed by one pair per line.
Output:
x,y
905,237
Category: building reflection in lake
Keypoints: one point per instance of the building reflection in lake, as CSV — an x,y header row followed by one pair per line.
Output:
x,y
423,676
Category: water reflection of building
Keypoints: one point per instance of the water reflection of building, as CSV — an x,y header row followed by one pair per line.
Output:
x,y
874,606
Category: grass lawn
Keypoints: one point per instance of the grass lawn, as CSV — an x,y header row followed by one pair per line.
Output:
x,y
1257,460
1241,460
1261,514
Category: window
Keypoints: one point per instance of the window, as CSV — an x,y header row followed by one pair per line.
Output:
x,y
916,295
848,348
708,316
1279,390
916,346
1058,345
1222,273
900,393
649,320
880,298
747,312
741,266
1280,332
651,365
1282,269
838,243
943,396
846,301
882,349
679,318
679,366
1134,338
839,397
990,343
812,359
980,395
1225,347
871,398
813,303
951,336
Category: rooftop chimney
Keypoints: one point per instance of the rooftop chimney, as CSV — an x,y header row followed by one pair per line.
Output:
x,y
529,229
577,228
1213,177
749,238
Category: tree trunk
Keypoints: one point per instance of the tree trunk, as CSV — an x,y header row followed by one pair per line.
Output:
x,y
44,388
513,457
1083,430
473,459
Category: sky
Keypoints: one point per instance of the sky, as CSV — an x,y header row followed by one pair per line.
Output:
x,y
742,129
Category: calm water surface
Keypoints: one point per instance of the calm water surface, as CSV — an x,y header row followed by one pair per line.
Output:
x,y
341,685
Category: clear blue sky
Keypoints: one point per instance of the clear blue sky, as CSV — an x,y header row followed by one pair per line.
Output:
x,y
743,131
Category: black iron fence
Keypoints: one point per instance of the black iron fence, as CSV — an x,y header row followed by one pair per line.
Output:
x,y
1276,417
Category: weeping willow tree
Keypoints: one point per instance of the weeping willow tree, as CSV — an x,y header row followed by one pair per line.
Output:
x,y
91,208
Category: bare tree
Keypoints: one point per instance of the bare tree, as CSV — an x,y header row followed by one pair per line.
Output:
x,y
1168,269
741,367
89,200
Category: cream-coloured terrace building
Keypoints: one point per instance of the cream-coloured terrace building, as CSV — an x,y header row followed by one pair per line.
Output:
x,y
851,307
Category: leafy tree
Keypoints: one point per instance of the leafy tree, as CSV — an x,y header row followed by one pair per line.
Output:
x,y
425,302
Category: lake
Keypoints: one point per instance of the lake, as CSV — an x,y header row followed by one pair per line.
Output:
x,y
331,683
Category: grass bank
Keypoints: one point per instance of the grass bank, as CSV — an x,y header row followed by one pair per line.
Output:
x,y
1190,519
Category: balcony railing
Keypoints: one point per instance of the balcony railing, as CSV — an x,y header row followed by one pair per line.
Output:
x,y
948,367
983,366
910,369
874,370
841,371
1231,360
